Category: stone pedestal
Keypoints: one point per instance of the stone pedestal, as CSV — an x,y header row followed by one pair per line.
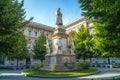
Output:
x,y
59,60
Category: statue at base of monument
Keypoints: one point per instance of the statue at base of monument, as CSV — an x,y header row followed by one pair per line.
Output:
x,y
59,44
47,46
72,46
59,17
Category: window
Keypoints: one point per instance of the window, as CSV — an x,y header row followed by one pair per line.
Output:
x,y
12,63
20,63
29,41
104,61
23,31
113,61
35,33
29,33
12,59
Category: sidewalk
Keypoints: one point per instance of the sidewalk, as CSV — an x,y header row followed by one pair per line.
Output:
x,y
105,73
10,72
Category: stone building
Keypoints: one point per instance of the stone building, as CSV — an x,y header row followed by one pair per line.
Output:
x,y
33,30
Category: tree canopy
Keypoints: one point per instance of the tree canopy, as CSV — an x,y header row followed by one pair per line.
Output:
x,y
83,43
20,50
39,48
105,15
12,22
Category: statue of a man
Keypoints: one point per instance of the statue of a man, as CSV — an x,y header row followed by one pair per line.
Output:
x,y
59,43
72,46
59,17
47,46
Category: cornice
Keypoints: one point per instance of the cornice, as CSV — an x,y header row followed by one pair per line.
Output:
x,y
76,21
40,26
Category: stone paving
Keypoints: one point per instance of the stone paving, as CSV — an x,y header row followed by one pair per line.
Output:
x,y
105,74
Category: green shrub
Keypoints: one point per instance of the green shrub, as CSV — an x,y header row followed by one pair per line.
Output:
x,y
78,66
82,65
5,67
69,65
116,65
86,65
37,66
53,68
119,65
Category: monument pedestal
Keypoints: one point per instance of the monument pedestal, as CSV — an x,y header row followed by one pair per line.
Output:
x,y
59,60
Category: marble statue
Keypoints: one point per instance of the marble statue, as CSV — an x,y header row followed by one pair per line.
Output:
x,y
47,46
59,17
72,46
59,44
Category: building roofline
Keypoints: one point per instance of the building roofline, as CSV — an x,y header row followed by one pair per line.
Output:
x,y
41,26
82,18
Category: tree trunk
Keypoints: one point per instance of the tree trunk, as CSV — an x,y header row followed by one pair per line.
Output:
x,y
42,62
108,60
90,60
84,58
17,62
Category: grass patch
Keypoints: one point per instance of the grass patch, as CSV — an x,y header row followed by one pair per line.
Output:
x,y
57,74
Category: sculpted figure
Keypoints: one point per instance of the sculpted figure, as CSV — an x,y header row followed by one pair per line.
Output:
x,y
59,17
47,47
72,46
59,43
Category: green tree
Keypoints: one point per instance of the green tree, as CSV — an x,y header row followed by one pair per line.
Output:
x,y
11,22
83,43
38,48
50,45
105,15
21,51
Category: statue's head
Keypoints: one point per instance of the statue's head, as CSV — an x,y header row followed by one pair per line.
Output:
x,y
58,9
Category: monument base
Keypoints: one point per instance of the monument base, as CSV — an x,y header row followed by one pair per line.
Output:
x,y
59,60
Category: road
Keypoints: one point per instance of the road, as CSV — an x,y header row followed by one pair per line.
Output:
x,y
16,75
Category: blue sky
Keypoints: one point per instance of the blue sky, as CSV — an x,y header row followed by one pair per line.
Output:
x,y
44,11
